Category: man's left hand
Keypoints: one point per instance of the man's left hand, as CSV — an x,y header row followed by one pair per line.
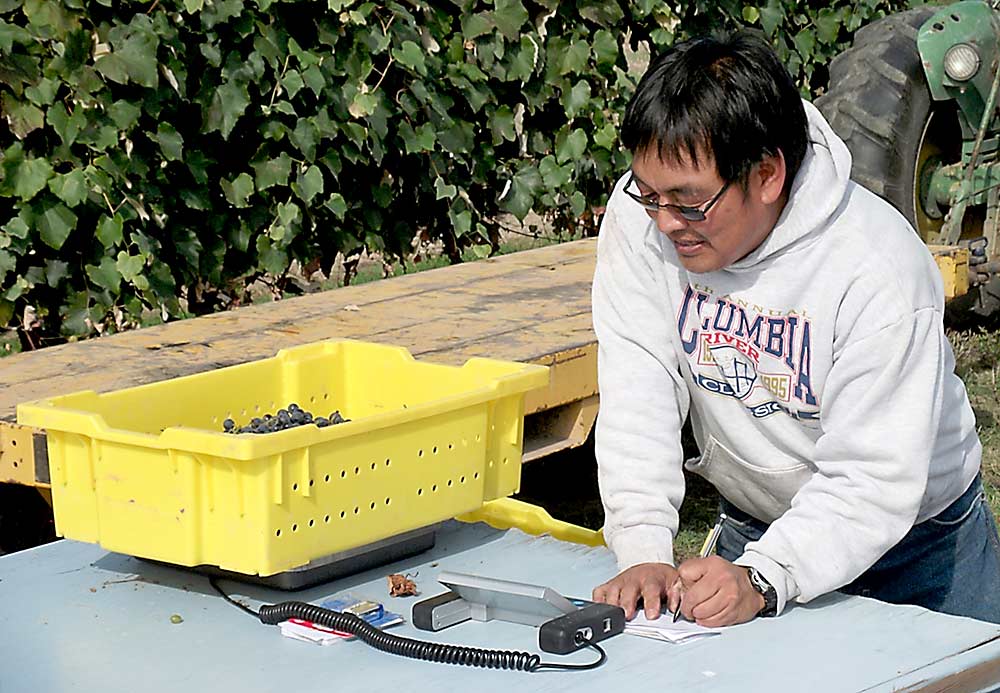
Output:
x,y
717,593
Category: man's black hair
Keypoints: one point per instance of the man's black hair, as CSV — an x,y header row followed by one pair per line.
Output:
x,y
728,98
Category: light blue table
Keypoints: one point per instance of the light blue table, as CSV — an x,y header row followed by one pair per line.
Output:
x,y
74,617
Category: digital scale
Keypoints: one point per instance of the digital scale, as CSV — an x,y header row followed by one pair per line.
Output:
x,y
564,625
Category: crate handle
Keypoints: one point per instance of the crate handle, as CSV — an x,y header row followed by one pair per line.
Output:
x,y
505,513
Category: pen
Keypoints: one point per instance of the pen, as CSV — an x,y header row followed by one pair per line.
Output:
x,y
706,550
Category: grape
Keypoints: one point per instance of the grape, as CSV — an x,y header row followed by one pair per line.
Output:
x,y
283,419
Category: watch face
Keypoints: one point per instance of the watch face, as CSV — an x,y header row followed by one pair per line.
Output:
x,y
758,581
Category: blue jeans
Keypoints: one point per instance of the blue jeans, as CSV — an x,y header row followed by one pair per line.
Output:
x,y
949,563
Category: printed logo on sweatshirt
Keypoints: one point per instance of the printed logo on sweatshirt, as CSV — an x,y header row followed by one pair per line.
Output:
x,y
736,360
762,359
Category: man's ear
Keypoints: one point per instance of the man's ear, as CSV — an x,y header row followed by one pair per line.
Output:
x,y
770,174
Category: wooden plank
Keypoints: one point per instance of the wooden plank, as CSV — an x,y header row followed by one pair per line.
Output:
x,y
972,670
529,306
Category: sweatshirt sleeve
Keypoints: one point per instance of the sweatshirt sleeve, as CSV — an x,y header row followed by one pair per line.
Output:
x,y
881,409
643,398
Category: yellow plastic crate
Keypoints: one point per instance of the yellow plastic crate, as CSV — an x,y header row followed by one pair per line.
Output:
x,y
148,471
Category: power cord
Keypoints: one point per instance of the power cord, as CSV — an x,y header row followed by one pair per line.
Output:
x,y
273,614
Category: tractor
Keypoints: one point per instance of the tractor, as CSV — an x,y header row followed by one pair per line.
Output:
x,y
915,100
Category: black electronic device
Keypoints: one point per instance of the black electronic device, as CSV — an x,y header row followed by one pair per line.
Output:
x,y
590,623
564,625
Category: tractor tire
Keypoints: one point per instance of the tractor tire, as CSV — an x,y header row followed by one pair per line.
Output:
x,y
879,103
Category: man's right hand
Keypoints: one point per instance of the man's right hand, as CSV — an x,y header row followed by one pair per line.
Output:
x,y
648,581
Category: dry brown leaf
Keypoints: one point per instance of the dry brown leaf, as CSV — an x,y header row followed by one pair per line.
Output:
x,y
401,586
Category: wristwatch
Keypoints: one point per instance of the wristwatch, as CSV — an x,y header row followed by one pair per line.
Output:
x,y
766,590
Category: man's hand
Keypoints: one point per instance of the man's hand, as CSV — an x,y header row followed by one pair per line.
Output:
x,y
648,581
717,593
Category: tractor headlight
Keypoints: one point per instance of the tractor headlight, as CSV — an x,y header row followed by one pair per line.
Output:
x,y
961,62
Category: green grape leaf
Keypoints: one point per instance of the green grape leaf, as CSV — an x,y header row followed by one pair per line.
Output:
x,y
124,114
460,221
805,43
292,82
577,98
22,117
444,191
607,14
337,205
605,47
55,224
314,79
109,230
363,105
71,187
502,124
828,23
55,272
238,190
553,175
130,266
105,275
228,105
43,92
510,17
272,172
476,25
520,195
288,213
30,177
171,142
272,258
411,55
572,146
17,227
309,184
771,16
574,60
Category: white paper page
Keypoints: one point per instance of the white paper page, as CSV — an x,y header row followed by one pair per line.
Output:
x,y
665,629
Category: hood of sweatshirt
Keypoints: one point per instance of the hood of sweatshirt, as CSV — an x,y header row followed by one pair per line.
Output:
x,y
817,191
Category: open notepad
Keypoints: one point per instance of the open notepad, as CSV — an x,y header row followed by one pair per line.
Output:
x,y
664,629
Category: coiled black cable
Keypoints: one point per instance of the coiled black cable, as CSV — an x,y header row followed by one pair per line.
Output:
x,y
398,645
273,614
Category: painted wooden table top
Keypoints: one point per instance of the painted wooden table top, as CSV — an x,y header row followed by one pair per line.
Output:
x,y
75,617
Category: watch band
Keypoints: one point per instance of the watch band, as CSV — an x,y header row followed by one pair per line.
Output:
x,y
766,590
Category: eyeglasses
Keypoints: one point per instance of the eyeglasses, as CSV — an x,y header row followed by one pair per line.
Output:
x,y
688,213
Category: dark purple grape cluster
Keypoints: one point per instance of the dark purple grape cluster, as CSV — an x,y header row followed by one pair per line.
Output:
x,y
291,417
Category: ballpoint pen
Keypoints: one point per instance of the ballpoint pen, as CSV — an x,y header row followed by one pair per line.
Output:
x,y
706,550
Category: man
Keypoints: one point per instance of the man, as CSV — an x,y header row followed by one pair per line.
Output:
x,y
744,279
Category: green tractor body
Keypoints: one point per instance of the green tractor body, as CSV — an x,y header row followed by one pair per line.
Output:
x,y
960,48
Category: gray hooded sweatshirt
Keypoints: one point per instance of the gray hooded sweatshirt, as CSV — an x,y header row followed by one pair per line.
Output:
x,y
820,384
